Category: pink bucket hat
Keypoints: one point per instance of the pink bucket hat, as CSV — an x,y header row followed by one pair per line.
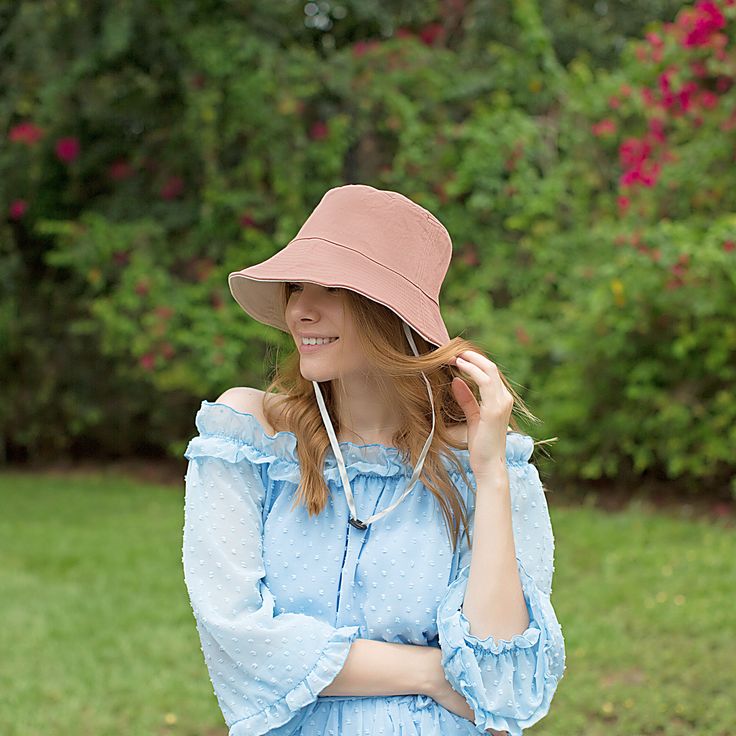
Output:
x,y
378,243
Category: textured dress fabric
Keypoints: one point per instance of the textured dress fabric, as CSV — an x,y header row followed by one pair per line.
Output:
x,y
279,597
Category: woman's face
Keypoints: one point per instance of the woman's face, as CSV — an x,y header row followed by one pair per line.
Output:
x,y
320,311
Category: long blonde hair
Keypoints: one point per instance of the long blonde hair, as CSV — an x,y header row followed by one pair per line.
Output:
x,y
398,374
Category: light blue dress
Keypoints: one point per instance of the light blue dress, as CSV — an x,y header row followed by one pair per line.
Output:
x,y
278,597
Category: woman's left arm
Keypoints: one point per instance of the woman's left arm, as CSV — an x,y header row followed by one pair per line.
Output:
x,y
508,666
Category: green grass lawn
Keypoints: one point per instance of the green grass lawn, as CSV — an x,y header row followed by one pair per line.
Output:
x,y
98,639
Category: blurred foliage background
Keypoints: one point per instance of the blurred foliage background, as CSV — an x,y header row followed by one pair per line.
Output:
x,y
581,156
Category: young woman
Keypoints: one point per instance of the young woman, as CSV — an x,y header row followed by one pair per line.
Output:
x,y
329,596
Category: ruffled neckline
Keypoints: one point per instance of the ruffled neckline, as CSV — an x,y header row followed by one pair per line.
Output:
x,y
245,434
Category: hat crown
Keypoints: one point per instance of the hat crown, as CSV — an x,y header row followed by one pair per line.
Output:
x,y
387,228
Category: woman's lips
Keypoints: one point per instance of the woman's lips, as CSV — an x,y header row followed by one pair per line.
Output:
x,y
313,348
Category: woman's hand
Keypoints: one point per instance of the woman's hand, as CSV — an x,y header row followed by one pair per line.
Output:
x,y
442,692
487,421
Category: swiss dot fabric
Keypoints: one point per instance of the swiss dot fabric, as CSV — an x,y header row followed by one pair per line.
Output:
x,y
279,597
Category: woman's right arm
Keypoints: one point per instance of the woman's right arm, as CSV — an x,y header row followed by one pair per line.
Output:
x,y
386,668
381,668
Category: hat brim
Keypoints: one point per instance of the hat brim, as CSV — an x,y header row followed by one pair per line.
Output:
x,y
257,288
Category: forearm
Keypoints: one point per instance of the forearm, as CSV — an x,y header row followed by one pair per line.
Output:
x,y
381,668
494,601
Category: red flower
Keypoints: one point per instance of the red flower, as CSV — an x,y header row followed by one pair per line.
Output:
x,y
647,96
645,173
603,127
164,312
656,128
708,99
167,350
67,149
623,203
319,130
172,188
729,245
431,32
119,170
27,133
701,24
121,257
634,151
363,47
147,361
247,221
17,209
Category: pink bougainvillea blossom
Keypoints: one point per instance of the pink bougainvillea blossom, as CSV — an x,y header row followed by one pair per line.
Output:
x,y
364,46
246,221
431,33
604,127
119,170
700,23
656,129
172,187
17,209
67,149
318,130
634,151
26,132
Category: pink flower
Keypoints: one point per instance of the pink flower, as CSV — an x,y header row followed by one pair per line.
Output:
x,y
172,187
708,99
685,93
431,32
119,170
603,127
656,128
27,133
702,24
623,203
67,149
247,221
633,151
363,47
147,361
647,96
319,130
17,209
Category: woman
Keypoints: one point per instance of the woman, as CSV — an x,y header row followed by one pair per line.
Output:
x,y
328,595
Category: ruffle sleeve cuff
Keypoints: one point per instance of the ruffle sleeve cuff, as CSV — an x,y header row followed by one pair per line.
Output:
x,y
304,693
509,684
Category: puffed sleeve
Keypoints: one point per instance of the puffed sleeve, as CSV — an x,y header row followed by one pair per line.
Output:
x,y
509,684
265,668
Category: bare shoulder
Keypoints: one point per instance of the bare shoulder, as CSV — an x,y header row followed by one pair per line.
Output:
x,y
248,400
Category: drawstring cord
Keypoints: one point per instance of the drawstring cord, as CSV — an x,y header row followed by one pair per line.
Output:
x,y
357,523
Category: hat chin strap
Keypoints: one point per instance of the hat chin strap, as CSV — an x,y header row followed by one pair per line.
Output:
x,y
357,523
